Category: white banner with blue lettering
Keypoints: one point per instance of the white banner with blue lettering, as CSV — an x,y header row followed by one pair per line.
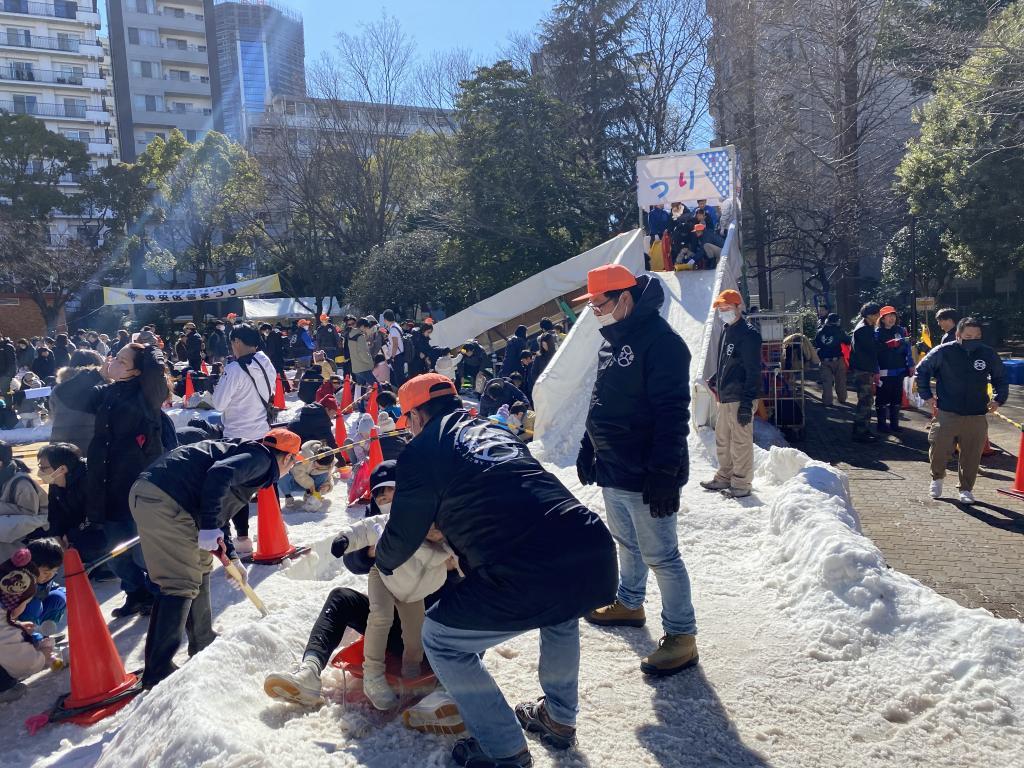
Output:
x,y
686,177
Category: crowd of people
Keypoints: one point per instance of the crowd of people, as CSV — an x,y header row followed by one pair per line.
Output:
x,y
682,238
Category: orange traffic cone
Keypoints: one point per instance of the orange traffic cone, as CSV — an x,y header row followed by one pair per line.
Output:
x,y
1017,491
340,433
190,388
279,395
99,684
272,545
371,406
988,450
204,368
346,395
403,422
375,455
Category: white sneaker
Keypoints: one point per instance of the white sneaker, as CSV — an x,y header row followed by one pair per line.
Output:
x,y
966,497
935,489
299,687
435,713
378,691
243,546
291,502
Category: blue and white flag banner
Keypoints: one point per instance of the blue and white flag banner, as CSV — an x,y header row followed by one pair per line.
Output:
x,y
685,177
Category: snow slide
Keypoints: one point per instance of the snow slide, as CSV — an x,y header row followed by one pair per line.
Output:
x,y
812,652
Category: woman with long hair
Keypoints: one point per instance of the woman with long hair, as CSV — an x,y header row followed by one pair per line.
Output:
x,y
547,343
127,437
62,349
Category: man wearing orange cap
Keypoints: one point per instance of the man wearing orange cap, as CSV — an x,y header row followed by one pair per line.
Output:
x,y
327,338
533,558
895,363
182,505
635,449
736,383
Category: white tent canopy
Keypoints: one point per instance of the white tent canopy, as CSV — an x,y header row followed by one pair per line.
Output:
x,y
535,290
284,309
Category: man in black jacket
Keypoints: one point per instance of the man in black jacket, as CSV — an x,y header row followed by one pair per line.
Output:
x,y
533,558
947,319
217,344
62,469
193,347
8,365
514,345
736,383
864,366
963,370
499,392
474,361
828,343
635,449
180,504
327,338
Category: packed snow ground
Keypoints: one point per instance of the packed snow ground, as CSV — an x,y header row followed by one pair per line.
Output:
x,y
812,652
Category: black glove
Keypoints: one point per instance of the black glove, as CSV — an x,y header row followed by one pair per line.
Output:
x,y
661,492
744,415
586,468
339,545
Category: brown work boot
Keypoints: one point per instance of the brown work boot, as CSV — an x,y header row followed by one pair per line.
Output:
x,y
675,653
617,615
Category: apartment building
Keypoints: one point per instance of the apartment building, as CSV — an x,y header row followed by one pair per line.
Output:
x,y
52,67
161,66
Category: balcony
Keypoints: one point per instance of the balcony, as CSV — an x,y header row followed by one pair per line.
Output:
x,y
50,76
37,109
194,86
60,9
172,20
65,44
101,148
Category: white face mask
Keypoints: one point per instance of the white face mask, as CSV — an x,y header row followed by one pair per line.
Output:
x,y
728,316
608,318
47,477
385,509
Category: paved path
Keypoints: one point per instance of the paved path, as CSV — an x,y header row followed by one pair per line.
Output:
x,y
974,555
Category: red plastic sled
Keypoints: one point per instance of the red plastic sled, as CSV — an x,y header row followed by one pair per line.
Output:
x,y
350,660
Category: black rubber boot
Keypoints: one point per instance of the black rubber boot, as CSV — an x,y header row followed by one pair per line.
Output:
x,y
199,624
894,418
883,425
166,624
140,601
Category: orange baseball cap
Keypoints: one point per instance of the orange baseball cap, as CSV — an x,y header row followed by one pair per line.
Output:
x,y
728,297
609,277
424,388
698,227
887,310
281,439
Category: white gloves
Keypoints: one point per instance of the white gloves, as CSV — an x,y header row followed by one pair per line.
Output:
x,y
210,539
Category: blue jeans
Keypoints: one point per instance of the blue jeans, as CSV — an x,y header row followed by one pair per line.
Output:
x,y
455,656
287,485
646,542
52,608
130,568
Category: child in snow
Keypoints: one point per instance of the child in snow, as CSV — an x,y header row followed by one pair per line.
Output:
x,y
357,446
446,365
320,362
402,591
48,606
310,477
387,401
381,369
520,421
23,652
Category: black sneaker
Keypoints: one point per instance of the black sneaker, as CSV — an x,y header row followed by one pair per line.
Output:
x,y
140,603
469,753
534,718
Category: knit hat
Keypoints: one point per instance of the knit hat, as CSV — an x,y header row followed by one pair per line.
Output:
x,y
384,422
17,579
330,402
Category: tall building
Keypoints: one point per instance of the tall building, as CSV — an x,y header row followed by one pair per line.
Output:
x,y
162,70
52,67
260,55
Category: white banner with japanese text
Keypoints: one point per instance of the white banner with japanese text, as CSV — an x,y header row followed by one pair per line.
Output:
x,y
258,285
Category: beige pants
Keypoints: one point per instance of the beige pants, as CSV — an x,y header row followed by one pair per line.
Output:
x,y
833,376
947,431
735,447
170,541
378,625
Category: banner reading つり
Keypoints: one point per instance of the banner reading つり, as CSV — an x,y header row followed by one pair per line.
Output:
x,y
686,177
120,296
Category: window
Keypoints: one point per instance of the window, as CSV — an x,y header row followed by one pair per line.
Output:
x,y
176,42
138,36
178,13
82,136
147,69
180,74
19,36
65,9
191,136
254,75
20,70
71,73
68,41
145,6
74,107
149,103
25,105
182,106
16,6
150,135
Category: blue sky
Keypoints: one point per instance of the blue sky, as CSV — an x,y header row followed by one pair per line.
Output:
x,y
479,25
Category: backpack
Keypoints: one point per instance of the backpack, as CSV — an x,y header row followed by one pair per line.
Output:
x,y
408,348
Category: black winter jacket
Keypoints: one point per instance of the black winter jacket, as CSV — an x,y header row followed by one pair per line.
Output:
x,y
327,338
68,509
274,348
532,554
213,480
510,394
829,341
738,376
8,361
71,424
640,407
313,423
194,350
963,378
44,367
513,349
864,349
949,336
894,355
62,355
217,343
128,435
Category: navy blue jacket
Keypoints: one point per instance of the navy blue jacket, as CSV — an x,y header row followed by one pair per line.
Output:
x,y
533,556
738,376
962,378
640,408
213,480
894,355
864,349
